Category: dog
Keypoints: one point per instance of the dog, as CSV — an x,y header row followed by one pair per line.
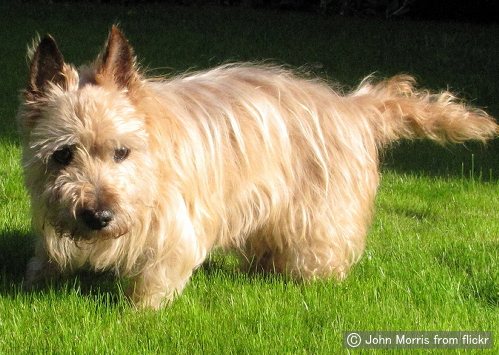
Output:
x,y
146,176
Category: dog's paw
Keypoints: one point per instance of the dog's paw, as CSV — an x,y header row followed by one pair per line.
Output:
x,y
141,299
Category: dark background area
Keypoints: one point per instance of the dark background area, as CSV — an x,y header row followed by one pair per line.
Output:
x,y
169,39
449,10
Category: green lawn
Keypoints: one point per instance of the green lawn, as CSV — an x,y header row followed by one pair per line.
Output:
x,y
432,258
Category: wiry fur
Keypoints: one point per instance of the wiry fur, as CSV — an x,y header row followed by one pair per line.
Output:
x,y
280,168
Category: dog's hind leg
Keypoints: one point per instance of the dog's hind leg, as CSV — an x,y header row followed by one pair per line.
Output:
x,y
327,252
324,244
324,252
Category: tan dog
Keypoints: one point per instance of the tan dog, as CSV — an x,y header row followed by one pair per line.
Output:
x,y
146,176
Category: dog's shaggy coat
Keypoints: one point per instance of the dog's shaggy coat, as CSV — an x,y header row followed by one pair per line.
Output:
x,y
146,176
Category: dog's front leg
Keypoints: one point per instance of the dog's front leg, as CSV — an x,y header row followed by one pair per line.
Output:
x,y
40,268
157,285
54,257
167,272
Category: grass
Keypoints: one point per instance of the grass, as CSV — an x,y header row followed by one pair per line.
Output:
x,y
433,251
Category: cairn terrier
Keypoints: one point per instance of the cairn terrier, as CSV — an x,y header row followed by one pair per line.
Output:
x,y
145,176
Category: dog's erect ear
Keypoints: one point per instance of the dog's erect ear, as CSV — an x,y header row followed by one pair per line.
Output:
x,y
117,62
46,67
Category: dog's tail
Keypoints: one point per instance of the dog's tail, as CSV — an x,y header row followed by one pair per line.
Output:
x,y
397,110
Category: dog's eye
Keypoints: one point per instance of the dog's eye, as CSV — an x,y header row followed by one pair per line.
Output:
x,y
63,155
121,154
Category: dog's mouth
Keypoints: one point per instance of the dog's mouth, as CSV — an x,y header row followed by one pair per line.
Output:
x,y
88,235
90,226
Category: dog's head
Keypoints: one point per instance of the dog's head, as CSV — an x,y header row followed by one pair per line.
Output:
x,y
85,145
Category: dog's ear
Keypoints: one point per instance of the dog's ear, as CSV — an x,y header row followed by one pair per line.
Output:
x,y
117,62
46,67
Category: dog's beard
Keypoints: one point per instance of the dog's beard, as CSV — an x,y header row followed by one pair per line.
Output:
x,y
66,225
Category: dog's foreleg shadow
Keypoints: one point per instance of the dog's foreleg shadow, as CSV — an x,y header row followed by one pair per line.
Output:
x,y
15,250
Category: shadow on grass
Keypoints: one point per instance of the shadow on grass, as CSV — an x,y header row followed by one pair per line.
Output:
x,y
477,269
16,248
229,265
411,213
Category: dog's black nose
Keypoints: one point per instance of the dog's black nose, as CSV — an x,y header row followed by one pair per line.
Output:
x,y
96,219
